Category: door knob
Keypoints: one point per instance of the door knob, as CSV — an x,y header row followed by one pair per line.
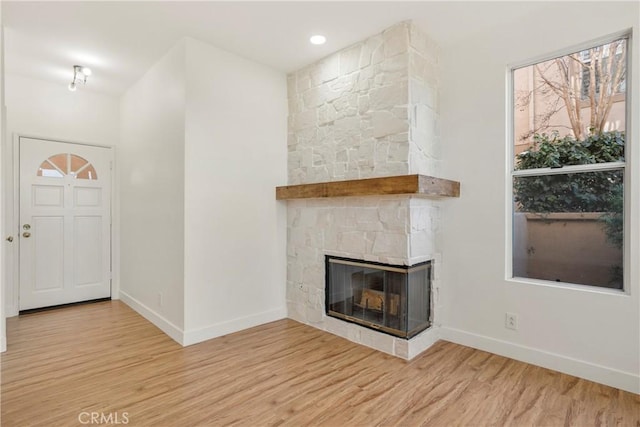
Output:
x,y
27,226
26,234
9,239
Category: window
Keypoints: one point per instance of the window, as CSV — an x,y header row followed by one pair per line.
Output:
x,y
67,164
568,170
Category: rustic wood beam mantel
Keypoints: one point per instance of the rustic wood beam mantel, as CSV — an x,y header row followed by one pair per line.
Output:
x,y
412,185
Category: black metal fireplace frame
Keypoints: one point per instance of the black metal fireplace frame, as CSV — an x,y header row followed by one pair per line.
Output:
x,y
374,326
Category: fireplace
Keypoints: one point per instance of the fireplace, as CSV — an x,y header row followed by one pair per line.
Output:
x,y
389,298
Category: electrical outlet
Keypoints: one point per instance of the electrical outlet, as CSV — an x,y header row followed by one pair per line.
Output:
x,y
511,321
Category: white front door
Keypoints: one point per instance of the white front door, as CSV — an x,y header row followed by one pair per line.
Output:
x,y
65,223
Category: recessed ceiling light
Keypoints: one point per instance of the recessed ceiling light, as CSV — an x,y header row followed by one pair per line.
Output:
x,y
318,39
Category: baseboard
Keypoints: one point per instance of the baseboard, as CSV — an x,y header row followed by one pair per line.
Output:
x,y
579,368
176,333
195,336
3,344
423,341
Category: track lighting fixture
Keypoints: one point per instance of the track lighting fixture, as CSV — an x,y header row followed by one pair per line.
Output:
x,y
80,74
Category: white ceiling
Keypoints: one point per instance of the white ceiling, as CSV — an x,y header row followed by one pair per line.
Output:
x,y
121,40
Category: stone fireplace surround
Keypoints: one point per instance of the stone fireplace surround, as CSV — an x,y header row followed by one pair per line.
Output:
x,y
367,111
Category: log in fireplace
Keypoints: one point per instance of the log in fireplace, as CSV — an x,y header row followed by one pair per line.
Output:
x,y
388,298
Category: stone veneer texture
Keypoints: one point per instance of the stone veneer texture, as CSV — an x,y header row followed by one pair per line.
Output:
x,y
369,110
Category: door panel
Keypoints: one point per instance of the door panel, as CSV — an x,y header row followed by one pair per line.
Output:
x,y
48,242
48,195
65,222
87,243
87,197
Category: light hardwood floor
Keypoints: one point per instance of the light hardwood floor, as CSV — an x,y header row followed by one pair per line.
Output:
x,y
105,358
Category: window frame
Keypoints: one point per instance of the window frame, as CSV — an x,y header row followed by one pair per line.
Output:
x,y
75,174
511,172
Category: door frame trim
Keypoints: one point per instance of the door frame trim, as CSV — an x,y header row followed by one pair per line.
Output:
x,y
13,205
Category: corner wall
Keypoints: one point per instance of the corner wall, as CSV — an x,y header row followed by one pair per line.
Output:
x,y
580,331
203,237
151,171
235,156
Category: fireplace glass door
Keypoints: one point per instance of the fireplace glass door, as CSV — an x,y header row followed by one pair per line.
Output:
x,y
393,299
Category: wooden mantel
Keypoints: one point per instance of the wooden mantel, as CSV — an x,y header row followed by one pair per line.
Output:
x,y
412,185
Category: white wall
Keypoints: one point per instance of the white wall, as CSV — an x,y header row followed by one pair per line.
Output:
x,y
202,237
235,156
151,177
45,109
50,110
3,228
594,335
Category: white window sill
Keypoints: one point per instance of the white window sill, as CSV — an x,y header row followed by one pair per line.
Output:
x,y
570,286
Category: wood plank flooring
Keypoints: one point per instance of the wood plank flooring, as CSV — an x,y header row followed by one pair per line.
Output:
x,y
105,358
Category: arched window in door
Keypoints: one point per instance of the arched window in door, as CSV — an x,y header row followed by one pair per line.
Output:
x,y
59,165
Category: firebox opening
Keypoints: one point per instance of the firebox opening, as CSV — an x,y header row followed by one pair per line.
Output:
x,y
389,298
